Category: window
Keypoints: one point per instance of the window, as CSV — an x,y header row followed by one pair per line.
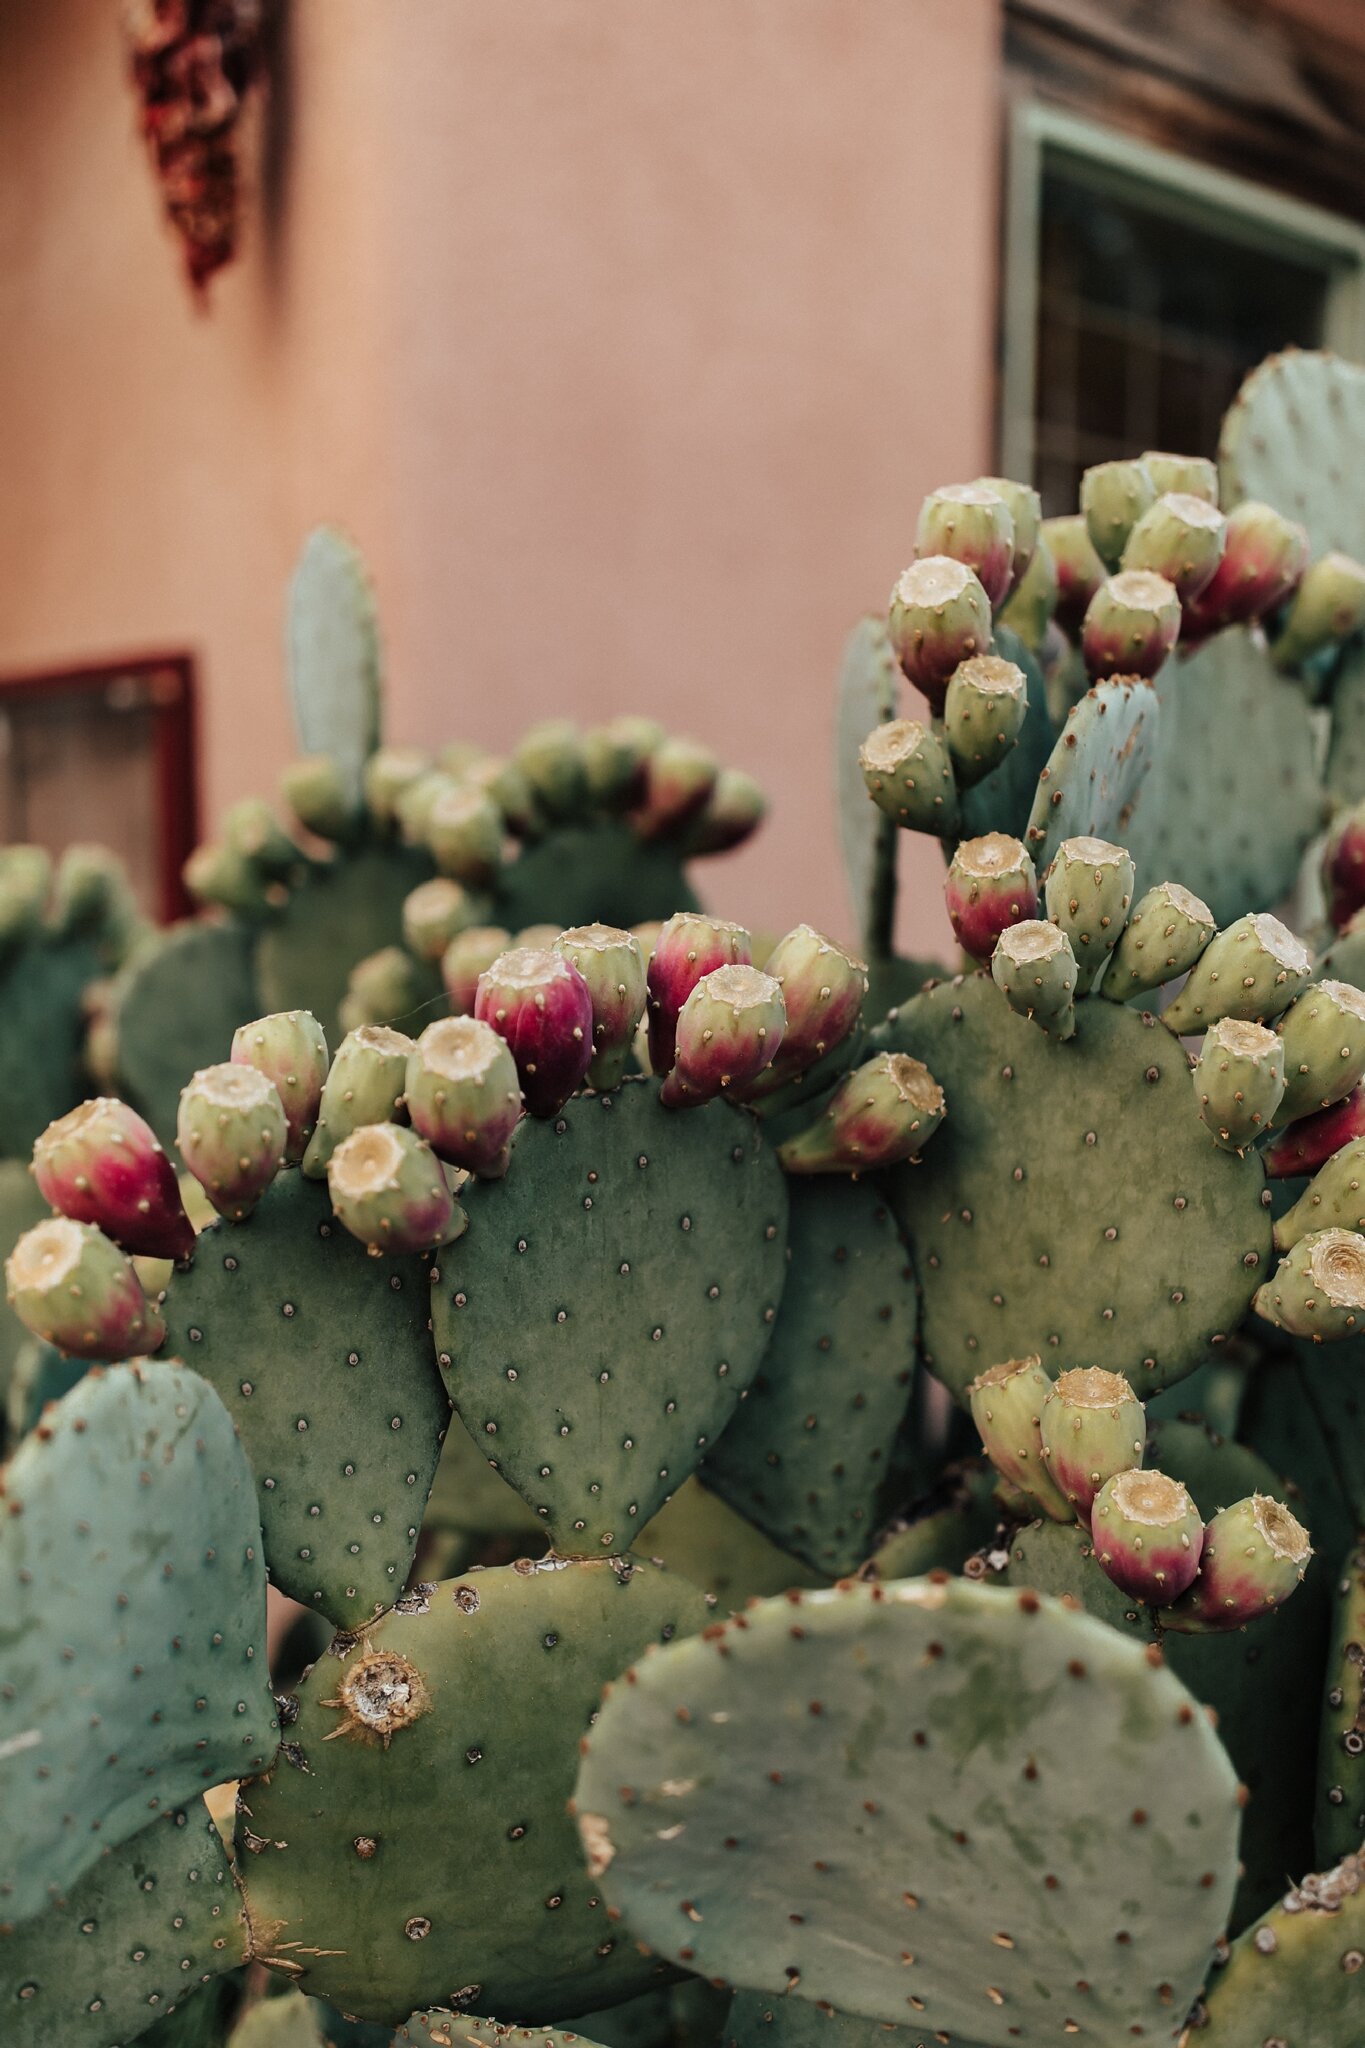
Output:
x,y
1140,288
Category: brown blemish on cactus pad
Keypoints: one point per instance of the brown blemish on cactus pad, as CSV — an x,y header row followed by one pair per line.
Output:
x,y
378,1696
1337,1266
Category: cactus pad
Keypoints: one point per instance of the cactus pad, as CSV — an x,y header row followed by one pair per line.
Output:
x,y
334,659
299,963
1294,1978
1340,1818
869,682
600,872
1095,772
697,1534
860,1797
178,1003
1295,435
1346,748
42,1034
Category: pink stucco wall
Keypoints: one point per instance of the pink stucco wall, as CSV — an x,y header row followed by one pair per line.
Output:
x,y
624,335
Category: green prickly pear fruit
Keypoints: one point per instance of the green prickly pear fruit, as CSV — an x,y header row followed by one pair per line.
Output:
x,y
463,1095
1195,474
822,989
250,830
1007,1404
1165,935
73,1288
383,987
25,882
729,1030
461,758
884,1111
1114,496
290,1049
218,875
1034,968
1318,1288
1255,1553
687,946
1088,890
680,776
1148,1536
320,797
551,757
1026,512
506,783
465,831
983,714
436,912
364,1085
541,938
1324,1048
388,773
102,1164
1343,866
734,810
466,958
388,1189
1131,625
991,885
1310,1143
1252,969
91,891
1093,1426
1328,606
232,1130
613,970
1180,537
1080,572
971,524
909,776
1239,1080
1264,556
1333,1200
415,804
614,758
539,1003
939,614
1031,604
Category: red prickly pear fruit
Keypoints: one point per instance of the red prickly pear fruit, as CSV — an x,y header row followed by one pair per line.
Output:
x,y
463,1095
1093,1426
729,1030
389,1190
1026,511
540,1004
939,614
613,967
1264,556
1080,572
1255,1553
1343,866
470,954
884,1111
1007,1404
1131,625
1304,1146
822,989
73,1288
732,813
1148,1536
680,777
991,885
102,1164
231,1130
614,758
290,1049
971,524
688,945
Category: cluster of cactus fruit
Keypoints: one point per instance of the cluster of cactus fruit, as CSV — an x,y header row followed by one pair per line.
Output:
x,y
809,1500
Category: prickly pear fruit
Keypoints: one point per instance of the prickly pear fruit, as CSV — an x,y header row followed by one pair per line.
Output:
x,y
1026,512
1328,606
102,1164
540,1004
389,1190
613,969
731,814
991,885
1324,1047
1114,496
909,776
1306,1145
1255,1553
1181,538
290,1049
822,989
1131,624
971,523
383,987
364,1086
1093,1426
231,1130
1264,555
1007,1404
1080,572
688,946
463,1095
1318,1288
680,776
1165,935
1034,968
729,1029
1333,1200
614,758
1343,866
510,790
552,759
1033,600
1239,1080
469,954
1088,889
1252,969
388,773
75,1289
320,797
1148,1535
938,615
983,714
465,831
436,912
1196,474
884,1111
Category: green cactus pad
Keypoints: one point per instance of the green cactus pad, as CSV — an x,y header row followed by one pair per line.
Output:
x,y
139,1933
1346,748
1295,436
322,1355
697,1534
40,1374
756,2020
42,1034
581,874
1229,821
809,1455
1095,772
859,1796
333,657
1072,1204
1002,800
340,914
344,1873
1339,1821
293,2020
610,1302
869,684
132,1668
1308,1415
178,1003
941,1532
203,2021
471,1496
1293,1980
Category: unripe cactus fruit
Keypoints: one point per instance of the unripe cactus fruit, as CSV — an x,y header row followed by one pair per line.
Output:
x,y
467,956
1007,1404
1088,889
382,987
1333,1200
1131,624
1308,1144
1026,512
1195,474
463,1095
939,614
1181,538
320,797
983,714
364,1086
1093,1426
734,810
1165,935
389,1190
232,1130
1148,1535
75,1289
991,884
884,1111
510,790
1255,1553
1324,1047
909,776
1253,969
614,758
729,1029
1034,968
1239,1080
971,523
1343,866
1318,1289
436,912
679,778
1031,604
465,831
1328,606
1114,496
551,758
688,946
613,970
388,772
1080,572
540,1004
102,1164
1264,555
822,989
290,1049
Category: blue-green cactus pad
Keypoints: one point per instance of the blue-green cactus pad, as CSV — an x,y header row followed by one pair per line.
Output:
x,y
178,1003
860,1796
333,654
132,1665
594,873
756,2020
698,1534
1293,1980
42,1034
341,912
867,690
1094,774
1346,747
1295,436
